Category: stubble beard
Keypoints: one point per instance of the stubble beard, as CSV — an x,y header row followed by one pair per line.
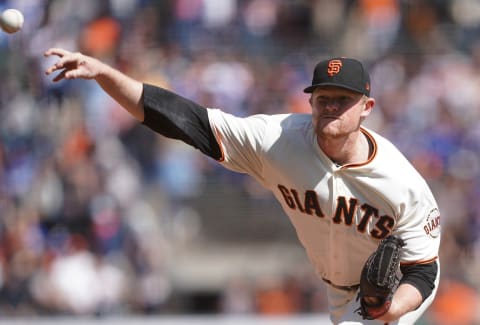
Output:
x,y
334,130
330,130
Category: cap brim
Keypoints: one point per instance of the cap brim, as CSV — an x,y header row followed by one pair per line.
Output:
x,y
311,88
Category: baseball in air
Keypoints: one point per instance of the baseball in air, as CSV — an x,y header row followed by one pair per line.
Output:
x,y
11,21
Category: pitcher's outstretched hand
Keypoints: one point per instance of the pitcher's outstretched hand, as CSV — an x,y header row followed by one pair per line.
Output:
x,y
73,65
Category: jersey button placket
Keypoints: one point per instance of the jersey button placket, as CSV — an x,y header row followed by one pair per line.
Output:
x,y
337,232
334,233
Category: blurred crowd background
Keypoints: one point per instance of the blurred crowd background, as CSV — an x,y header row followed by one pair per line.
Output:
x,y
101,216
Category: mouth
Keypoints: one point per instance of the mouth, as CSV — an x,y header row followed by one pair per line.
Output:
x,y
329,117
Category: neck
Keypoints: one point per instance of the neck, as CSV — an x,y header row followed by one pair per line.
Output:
x,y
350,149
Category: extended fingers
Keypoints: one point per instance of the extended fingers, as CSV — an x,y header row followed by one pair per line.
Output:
x,y
60,64
56,51
66,59
72,65
53,68
66,74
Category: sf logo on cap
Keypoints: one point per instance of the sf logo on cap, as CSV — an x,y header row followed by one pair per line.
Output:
x,y
334,67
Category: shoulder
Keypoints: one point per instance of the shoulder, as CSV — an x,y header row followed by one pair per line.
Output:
x,y
390,162
387,153
290,118
285,122
271,123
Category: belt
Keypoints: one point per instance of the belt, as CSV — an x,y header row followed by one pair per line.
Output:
x,y
345,288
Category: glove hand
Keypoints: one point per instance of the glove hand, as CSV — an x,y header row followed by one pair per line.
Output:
x,y
378,280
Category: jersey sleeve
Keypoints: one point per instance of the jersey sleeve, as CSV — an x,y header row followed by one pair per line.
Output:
x,y
240,140
413,206
420,229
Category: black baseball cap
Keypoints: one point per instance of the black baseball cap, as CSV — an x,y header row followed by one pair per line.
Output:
x,y
341,72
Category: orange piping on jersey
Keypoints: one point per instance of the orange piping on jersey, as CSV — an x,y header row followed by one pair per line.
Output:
x,y
218,137
372,155
419,262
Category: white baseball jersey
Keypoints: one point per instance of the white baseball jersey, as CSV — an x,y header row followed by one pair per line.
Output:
x,y
339,212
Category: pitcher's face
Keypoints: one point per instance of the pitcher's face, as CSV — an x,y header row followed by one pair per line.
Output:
x,y
337,112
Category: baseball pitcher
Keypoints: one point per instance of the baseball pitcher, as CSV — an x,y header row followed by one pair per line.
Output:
x,y
366,218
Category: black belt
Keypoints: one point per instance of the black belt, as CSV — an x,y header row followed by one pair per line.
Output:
x,y
345,288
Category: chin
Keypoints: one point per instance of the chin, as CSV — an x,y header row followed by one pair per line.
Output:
x,y
330,132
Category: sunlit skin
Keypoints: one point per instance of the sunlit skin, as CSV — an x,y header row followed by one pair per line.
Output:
x,y
337,114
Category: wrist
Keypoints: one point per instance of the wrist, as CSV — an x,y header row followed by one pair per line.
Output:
x,y
102,70
391,314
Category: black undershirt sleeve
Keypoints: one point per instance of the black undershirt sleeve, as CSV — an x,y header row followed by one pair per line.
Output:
x,y
176,117
421,276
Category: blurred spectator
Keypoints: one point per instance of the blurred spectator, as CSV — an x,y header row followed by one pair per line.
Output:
x,y
456,303
80,283
238,297
274,296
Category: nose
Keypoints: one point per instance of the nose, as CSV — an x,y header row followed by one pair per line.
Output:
x,y
332,105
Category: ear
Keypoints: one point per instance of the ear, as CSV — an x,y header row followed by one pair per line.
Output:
x,y
369,103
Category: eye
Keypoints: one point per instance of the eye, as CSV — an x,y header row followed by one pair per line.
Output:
x,y
344,99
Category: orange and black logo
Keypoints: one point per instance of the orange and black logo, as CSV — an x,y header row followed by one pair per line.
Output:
x,y
432,223
334,67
